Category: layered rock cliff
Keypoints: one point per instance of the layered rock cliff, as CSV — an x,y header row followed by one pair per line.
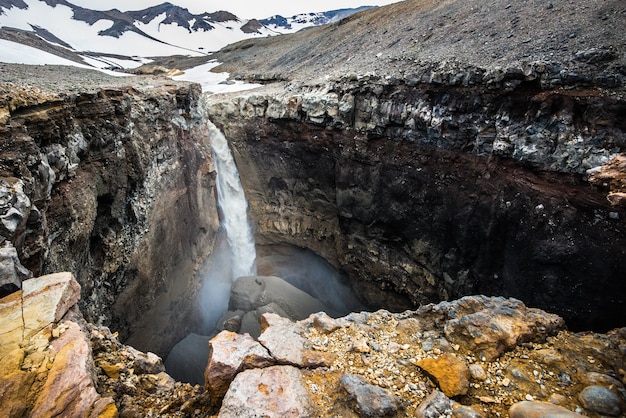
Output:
x,y
114,183
425,191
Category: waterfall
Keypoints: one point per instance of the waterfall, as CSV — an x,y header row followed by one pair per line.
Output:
x,y
233,205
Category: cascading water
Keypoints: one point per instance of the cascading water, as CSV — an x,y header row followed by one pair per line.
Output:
x,y
234,256
232,202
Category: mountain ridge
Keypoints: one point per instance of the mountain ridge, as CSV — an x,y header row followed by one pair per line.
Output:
x,y
163,30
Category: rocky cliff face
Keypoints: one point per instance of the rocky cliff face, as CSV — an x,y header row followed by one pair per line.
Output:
x,y
114,184
445,184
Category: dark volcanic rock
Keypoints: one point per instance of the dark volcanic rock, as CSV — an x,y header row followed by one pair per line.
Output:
x,y
110,174
421,192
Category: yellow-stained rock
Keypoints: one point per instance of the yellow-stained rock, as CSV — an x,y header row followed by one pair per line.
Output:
x,y
450,373
111,370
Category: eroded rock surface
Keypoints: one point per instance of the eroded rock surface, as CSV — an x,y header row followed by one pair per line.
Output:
x,y
424,192
97,175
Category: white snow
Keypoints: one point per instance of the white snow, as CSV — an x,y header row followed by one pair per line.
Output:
x,y
84,37
15,53
224,33
211,81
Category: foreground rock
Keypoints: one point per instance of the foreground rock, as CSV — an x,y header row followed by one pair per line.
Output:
x,y
46,367
413,364
54,363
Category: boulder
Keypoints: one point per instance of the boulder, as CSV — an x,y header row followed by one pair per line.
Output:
x,y
497,326
185,360
47,299
40,343
69,388
273,392
250,293
450,373
285,342
600,400
230,354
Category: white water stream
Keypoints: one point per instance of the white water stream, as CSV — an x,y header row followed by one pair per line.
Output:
x,y
234,207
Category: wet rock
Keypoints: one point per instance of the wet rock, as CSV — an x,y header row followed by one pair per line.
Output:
x,y
183,361
370,401
250,293
600,400
230,354
434,405
527,409
273,392
450,373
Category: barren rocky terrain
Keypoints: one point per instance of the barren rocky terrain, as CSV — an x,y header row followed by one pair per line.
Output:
x,y
398,39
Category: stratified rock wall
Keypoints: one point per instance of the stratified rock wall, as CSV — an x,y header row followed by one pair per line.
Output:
x,y
431,188
119,186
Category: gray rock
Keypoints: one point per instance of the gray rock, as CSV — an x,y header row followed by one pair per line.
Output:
x,y
527,409
12,273
600,400
434,406
371,401
250,293
285,342
273,392
186,360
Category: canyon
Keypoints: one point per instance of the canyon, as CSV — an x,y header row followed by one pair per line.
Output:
x,y
420,180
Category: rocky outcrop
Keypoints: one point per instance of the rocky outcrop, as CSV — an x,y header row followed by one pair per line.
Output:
x,y
424,190
46,365
54,363
115,185
431,362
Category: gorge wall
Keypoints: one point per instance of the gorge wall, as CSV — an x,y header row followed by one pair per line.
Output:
x,y
450,182
114,184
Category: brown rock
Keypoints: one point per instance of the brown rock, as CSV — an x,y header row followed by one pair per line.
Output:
x,y
14,389
491,329
526,409
273,392
450,373
230,354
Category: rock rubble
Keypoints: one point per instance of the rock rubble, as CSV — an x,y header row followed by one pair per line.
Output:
x,y
408,364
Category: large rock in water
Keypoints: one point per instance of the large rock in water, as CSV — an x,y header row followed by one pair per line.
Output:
x,y
253,296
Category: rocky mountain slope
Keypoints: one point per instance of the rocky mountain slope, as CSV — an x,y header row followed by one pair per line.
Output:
x,y
400,39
